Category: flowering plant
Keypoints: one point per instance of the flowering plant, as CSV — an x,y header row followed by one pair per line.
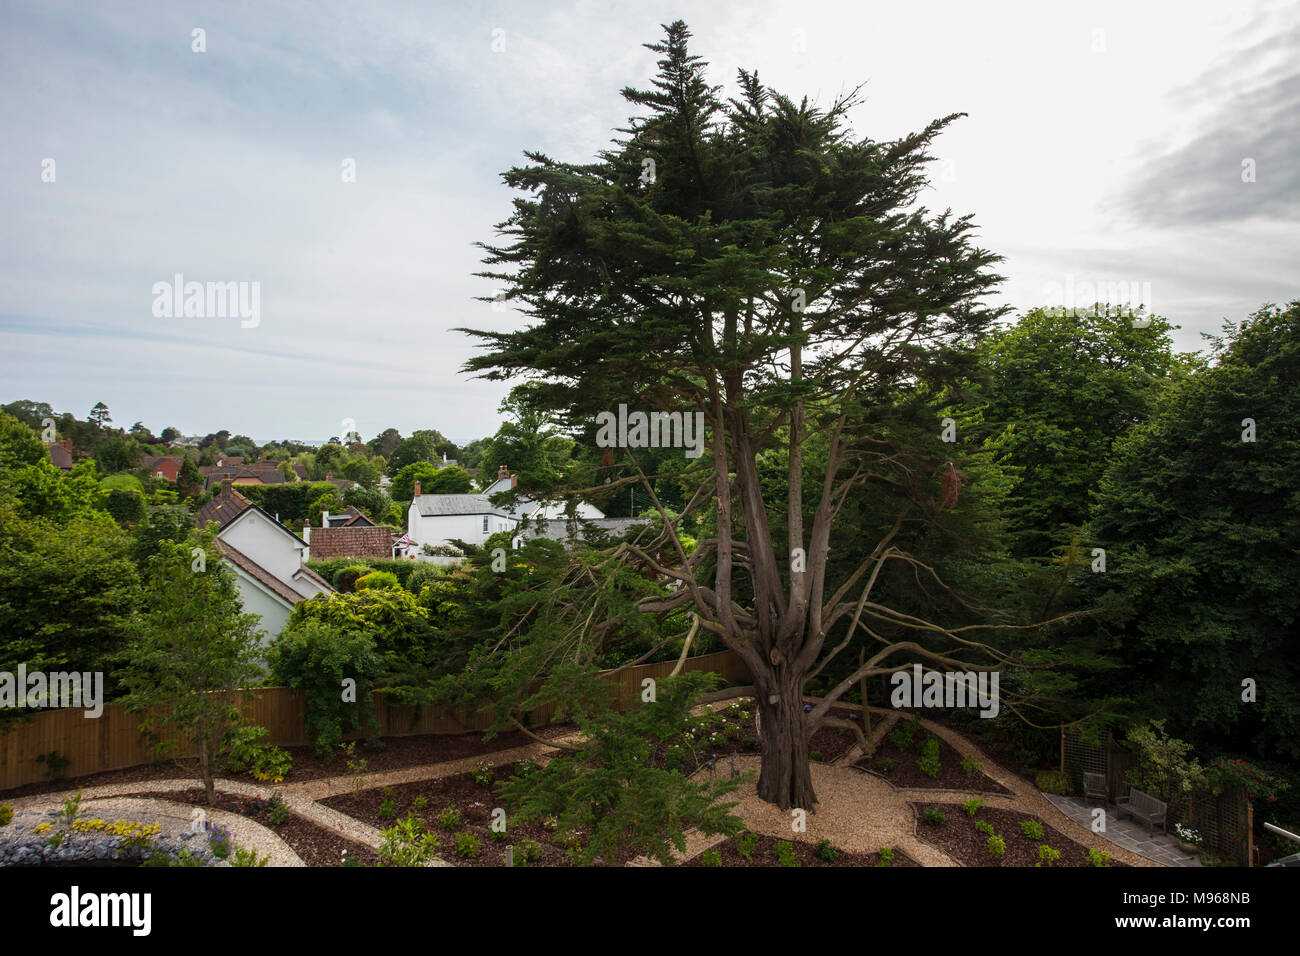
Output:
x,y
1188,835
1255,781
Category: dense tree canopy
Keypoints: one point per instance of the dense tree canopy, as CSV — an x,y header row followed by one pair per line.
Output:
x,y
1200,519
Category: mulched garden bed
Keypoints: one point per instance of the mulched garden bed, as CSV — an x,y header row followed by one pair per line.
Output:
x,y
397,753
764,854
961,841
829,744
475,802
906,770
984,734
314,844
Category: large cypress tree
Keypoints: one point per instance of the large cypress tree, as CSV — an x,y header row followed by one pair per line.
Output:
x,y
754,261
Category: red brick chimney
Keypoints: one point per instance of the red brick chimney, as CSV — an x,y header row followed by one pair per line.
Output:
x,y
225,486
417,489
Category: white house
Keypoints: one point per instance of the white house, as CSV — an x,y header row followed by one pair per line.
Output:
x,y
437,519
269,560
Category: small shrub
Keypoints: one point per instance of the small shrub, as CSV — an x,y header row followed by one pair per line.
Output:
x,y
1053,781
71,807
928,760
1047,856
900,738
711,858
886,856
815,755
219,841
388,809
449,818
356,765
346,577
750,743
972,806
885,764
6,814
277,811
467,845
377,580
1032,829
1098,857
746,844
969,765
483,774
984,827
407,843
997,846
784,853
420,802
826,850
524,767
936,818
530,851
245,857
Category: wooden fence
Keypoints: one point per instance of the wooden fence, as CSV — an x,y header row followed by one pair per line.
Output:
x,y
112,741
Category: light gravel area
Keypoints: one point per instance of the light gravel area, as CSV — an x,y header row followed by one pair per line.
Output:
x,y
176,817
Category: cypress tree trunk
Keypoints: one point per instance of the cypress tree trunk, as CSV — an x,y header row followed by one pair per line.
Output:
x,y
786,777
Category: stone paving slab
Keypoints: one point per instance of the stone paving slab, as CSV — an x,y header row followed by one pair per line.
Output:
x,y
1126,833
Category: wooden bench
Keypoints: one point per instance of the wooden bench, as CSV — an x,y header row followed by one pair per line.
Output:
x,y
1144,807
1094,788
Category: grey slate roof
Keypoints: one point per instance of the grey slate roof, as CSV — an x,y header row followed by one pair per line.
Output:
x,y
431,506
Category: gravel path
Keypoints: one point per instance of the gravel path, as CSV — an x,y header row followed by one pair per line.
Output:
x,y
857,810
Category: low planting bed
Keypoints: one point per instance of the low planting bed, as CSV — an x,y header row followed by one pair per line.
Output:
x,y
762,851
472,801
902,762
829,744
963,840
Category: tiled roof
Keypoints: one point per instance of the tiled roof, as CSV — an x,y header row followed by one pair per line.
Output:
x,y
222,508
306,572
61,457
353,541
257,572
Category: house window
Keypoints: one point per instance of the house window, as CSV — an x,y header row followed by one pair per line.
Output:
x,y
485,521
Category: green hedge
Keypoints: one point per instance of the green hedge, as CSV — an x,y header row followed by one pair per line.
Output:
x,y
332,566
291,501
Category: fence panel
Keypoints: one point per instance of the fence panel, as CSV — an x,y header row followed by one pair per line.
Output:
x,y
113,742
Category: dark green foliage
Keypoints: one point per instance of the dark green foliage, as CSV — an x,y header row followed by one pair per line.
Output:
x,y
935,818
434,480
611,791
118,454
126,507
826,850
163,523
330,567
426,445
318,657
1062,387
346,578
67,590
291,501
189,480
192,645
1201,530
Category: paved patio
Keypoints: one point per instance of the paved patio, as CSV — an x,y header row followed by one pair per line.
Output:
x,y
1127,833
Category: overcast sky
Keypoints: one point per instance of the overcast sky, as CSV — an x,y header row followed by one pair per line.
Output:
x,y
1105,145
